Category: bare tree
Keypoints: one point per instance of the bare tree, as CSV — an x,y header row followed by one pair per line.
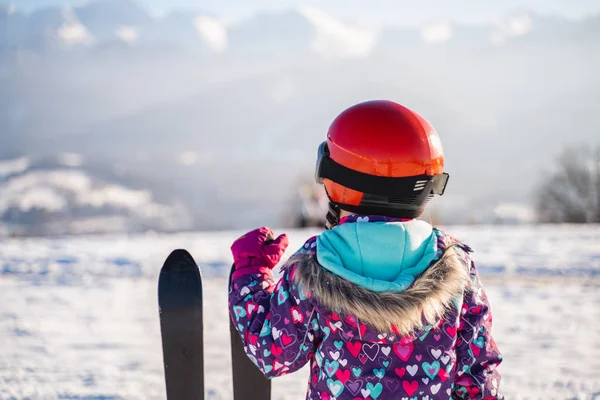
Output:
x,y
572,193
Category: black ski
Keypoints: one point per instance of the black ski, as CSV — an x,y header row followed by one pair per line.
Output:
x,y
248,382
180,309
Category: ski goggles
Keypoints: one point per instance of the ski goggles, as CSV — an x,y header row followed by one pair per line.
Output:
x,y
327,168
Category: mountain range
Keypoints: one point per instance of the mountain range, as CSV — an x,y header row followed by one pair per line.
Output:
x,y
301,29
224,118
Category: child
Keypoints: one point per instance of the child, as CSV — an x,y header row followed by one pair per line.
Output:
x,y
382,305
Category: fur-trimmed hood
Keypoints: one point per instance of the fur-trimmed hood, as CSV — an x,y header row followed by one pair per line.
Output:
x,y
437,289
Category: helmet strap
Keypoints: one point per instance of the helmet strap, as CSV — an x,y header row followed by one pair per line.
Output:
x,y
333,215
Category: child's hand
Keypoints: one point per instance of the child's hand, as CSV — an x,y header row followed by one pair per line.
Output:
x,y
259,248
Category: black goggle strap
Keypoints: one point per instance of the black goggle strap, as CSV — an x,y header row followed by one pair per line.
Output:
x,y
377,185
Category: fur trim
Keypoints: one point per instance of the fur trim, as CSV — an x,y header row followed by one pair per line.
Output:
x,y
424,302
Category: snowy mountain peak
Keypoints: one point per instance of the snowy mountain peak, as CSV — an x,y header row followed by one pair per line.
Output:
x,y
59,25
335,38
213,32
128,34
296,31
188,29
514,26
304,29
437,33
104,18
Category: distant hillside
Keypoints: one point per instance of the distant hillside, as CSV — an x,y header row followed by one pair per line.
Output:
x,y
226,118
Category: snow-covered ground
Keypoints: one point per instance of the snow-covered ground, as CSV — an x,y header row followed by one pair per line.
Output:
x,y
78,315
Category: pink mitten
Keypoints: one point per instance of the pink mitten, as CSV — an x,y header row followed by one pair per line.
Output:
x,y
258,249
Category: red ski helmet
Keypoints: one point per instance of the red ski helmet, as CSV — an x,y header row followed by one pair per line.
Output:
x,y
381,158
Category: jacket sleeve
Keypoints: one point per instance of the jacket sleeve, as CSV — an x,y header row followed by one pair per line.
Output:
x,y
476,353
276,322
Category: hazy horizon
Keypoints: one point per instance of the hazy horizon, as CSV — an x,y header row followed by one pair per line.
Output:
x,y
190,123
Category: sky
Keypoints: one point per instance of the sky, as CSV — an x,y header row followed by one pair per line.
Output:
x,y
387,12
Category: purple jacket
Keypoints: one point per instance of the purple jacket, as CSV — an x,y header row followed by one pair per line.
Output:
x,y
438,345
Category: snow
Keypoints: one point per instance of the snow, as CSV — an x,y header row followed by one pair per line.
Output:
x,y
42,198
188,158
512,27
436,33
191,158
74,33
38,198
62,23
106,18
13,166
68,200
334,38
513,212
213,31
29,190
71,159
79,319
128,34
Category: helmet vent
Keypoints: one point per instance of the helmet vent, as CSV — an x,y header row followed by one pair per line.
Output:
x,y
403,200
